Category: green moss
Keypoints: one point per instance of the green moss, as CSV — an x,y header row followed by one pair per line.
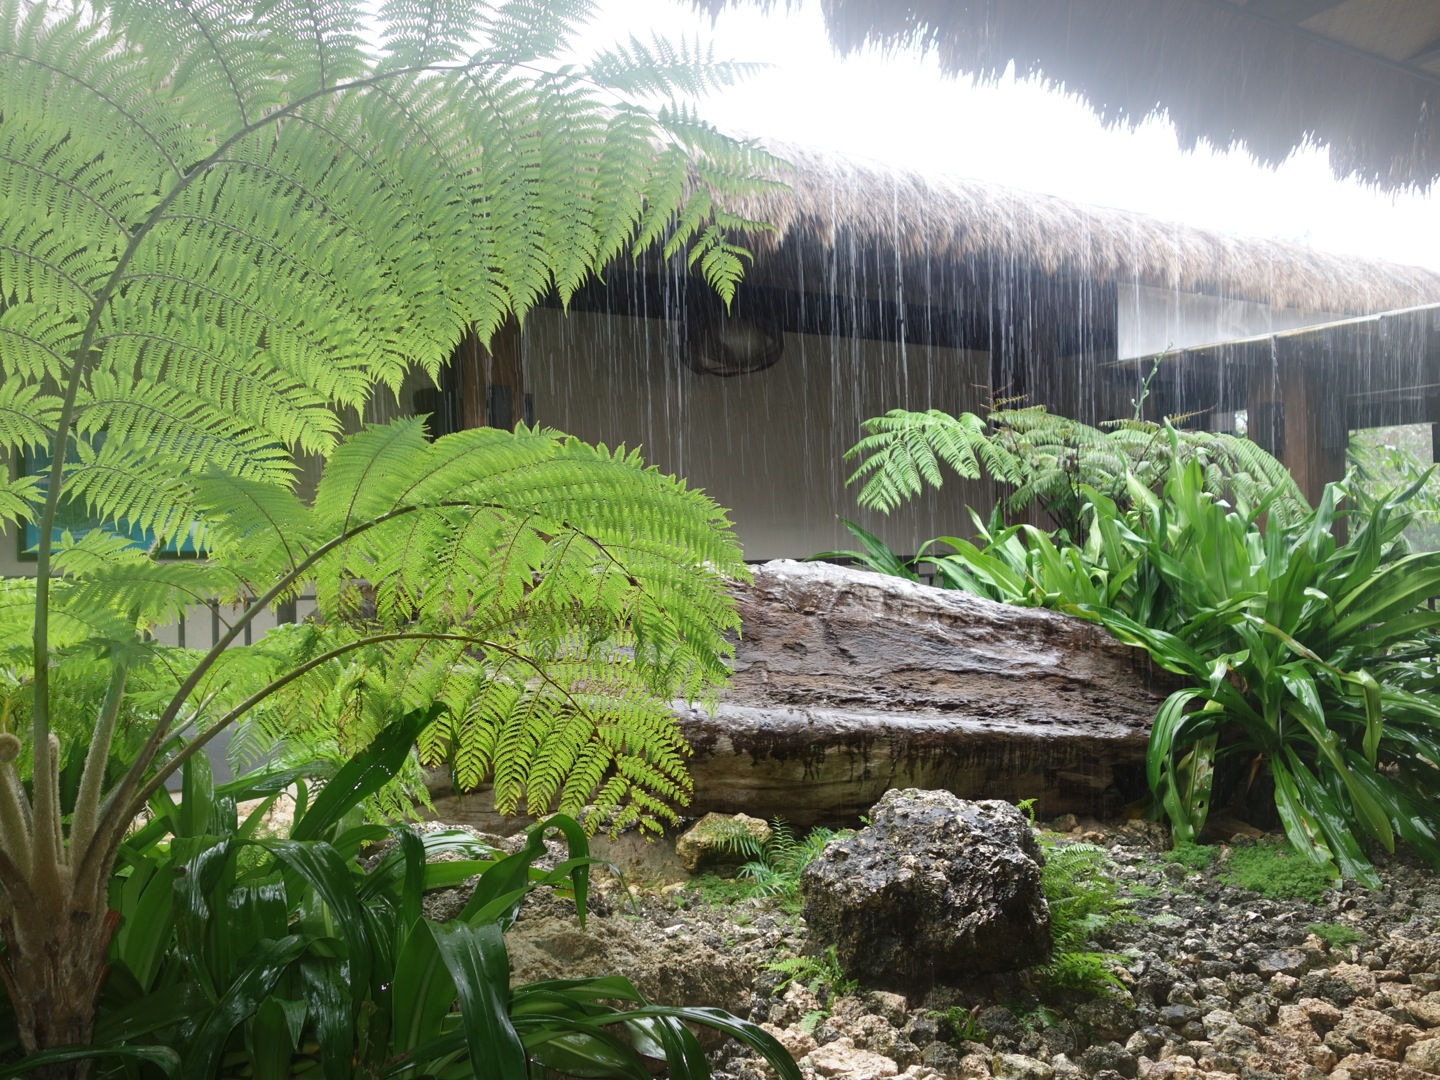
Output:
x,y
1194,856
712,890
1276,871
1336,935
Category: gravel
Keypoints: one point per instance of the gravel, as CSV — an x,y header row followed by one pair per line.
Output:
x,y
1218,982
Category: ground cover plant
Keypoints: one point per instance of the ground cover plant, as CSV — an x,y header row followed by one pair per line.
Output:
x,y
1191,855
773,866
224,227
1275,870
1310,661
1084,903
1336,935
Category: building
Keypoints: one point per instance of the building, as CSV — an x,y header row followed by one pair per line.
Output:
x,y
884,289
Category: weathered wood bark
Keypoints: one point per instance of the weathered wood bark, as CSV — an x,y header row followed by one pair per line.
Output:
x,y
849,683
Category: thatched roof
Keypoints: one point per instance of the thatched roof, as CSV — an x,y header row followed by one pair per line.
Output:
x,y
835,201
1361,76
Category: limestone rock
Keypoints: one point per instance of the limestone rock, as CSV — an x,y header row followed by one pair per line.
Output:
x,y
797,1043
935,889
1370,1067
1424,1055
711,841
1019,1067
849,684
672,970
841,1058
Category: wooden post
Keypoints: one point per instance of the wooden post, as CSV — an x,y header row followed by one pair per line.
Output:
x,y
489,384
1297,412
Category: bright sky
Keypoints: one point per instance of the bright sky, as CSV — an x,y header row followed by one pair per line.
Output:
x,y
898,109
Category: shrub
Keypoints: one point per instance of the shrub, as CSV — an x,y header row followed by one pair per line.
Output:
x,y
1310,663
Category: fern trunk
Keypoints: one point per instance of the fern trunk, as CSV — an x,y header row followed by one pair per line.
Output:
x,y
53,968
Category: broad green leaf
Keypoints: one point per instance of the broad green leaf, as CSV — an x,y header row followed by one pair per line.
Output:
x,y
364,775
480,967
324,871
1374,715
239,1002
423,989
1332,820
162,1057
269,1041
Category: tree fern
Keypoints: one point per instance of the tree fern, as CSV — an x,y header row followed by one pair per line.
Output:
x,y
1046,460
224,227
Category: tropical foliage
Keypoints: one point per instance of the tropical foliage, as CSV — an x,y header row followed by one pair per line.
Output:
x,y
1309,657
1310,661
1383,460
1047,461
224,226
245,953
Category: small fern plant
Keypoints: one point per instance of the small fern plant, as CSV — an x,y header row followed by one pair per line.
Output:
x,y
1048,461
225,225
775,866
1084,902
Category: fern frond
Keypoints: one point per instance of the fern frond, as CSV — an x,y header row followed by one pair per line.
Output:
x,y
1049,460
666,68
222,230
902,451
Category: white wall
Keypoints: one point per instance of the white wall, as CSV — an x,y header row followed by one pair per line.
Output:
x,y
1153,320
768,445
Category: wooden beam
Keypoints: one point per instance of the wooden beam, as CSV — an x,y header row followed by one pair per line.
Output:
x,y
1289,11
1427,53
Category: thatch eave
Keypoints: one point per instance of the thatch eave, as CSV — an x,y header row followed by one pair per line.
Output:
x,y
831,202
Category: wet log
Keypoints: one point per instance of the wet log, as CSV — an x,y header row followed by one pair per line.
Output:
x,y
848,684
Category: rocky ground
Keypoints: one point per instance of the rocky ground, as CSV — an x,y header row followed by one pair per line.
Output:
x,y
1217,981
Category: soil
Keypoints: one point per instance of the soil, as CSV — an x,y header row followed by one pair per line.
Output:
x,y
1215,981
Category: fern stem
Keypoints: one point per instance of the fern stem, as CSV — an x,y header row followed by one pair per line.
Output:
x,y
92,779
137,802
161,728
14,817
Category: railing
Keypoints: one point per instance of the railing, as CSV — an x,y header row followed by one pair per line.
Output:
x,y
202,625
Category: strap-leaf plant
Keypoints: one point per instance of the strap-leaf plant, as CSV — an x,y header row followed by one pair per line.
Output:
x,y
221,227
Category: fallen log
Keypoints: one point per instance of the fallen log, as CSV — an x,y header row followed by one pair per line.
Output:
x,y
849,683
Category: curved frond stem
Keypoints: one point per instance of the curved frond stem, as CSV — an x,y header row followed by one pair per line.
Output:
x,y
138,800
134,121
15,882
92,778
162,725
74,190
15,817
